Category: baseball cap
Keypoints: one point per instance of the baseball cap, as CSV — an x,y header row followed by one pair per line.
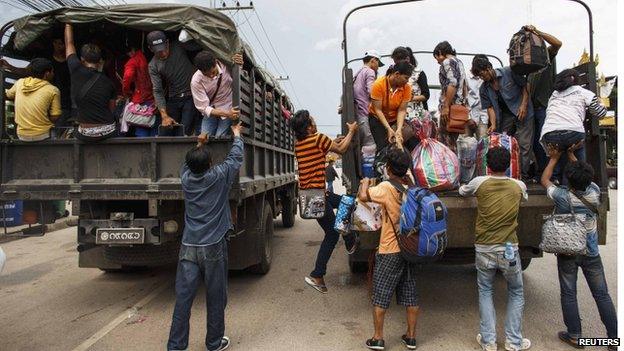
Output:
x,y
157,41
375,54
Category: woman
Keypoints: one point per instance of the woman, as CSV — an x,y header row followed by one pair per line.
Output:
x,y
390,95
565,114
452,82
137,85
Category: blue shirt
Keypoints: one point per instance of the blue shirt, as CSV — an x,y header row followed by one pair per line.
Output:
x,y
511,86
207,216
562,198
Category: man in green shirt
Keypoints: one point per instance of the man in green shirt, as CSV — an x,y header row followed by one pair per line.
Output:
x,y
498,204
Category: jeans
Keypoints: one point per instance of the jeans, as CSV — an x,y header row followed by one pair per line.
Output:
x,y
564,139
211,262
364,130
594,275
539,113
487,264
331,235
330,186
183,111
523,132
215,126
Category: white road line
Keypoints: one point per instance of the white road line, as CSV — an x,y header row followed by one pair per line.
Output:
x,y
129,313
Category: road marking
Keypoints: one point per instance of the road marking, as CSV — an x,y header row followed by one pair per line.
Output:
x,y
127,314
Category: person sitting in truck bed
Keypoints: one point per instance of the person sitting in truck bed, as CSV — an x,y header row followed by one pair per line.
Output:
x,y
172,71
311,149
37,102
137,85
211,87
93,93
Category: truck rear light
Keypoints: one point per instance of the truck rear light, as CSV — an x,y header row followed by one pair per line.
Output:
x,y
170,227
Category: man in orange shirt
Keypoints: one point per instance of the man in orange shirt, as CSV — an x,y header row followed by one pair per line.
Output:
x,y
392,273
389,97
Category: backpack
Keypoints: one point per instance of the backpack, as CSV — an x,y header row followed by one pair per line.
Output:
x,y
422,237
527,53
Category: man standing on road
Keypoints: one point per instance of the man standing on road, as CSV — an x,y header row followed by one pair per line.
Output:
x,y
171,66
330,175
496,246
204,243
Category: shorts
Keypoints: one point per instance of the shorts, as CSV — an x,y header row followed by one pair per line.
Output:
x,y
392,273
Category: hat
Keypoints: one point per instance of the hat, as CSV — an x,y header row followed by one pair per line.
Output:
x,y
375,54
157,41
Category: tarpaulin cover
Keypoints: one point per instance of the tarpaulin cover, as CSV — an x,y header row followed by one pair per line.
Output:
x,y
435,166
496,140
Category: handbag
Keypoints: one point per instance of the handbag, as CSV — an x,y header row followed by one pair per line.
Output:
x,y
312,203
564,233
140,115
458,116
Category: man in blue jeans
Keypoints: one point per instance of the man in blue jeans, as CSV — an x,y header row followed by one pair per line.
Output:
x,y
498,204
584,196
204,246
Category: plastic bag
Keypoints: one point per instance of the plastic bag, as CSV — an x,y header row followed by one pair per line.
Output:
x,y
435,166
343,215
423,128
494,140
366,217
368,161
467,155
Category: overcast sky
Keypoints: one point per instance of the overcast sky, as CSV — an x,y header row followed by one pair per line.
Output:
x,y
307,36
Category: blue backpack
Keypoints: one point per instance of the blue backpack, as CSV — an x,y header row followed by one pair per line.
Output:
x,y
423,236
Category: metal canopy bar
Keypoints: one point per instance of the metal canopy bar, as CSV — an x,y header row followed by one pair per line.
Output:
x,y
431,52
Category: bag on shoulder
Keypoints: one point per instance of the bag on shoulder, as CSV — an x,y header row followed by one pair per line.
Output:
x,y
564,233
527,52
312,203
140,115
422,236
458,115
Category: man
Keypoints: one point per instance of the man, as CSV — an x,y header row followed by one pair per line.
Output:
x,y
204,246
505,96
37,102
211,87
541,87
362,83
479,119
93,93
171,70
581,193
311,149
330,175
498,204
392,273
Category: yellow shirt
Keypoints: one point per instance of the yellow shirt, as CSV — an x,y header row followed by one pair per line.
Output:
x,y
390,198
35,100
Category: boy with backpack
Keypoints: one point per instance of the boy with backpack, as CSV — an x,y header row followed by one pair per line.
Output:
x,y
496,248
392,272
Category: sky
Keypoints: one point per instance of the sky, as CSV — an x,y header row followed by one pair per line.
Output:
x,y
306,35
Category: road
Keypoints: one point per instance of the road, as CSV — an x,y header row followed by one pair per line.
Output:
x,y
48,303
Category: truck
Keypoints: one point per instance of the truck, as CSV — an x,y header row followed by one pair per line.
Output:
x,y
126,191
462,212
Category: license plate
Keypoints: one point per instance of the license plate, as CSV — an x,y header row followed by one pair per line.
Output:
x,y
120,236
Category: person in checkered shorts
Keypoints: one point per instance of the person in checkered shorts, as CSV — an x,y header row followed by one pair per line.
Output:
x,y
392,274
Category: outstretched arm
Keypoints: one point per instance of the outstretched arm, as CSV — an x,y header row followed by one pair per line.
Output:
x,y
341,146
70,48
554,155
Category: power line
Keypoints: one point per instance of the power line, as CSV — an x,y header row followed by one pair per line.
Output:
x,y
260,43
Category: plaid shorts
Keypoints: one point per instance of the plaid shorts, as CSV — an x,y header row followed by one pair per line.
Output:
x,y
392,273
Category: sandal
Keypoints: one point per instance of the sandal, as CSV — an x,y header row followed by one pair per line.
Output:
x,y
318,287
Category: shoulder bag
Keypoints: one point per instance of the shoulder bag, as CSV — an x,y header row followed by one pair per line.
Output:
x,y
458,115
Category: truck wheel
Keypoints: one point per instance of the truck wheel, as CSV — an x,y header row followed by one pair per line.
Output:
x,y
144,255
525,262
289,204
358,267
265,242
123,269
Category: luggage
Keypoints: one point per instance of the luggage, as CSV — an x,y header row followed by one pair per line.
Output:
x,y
435,166
467,155
528,52
423,128
494,140
366,217
422,236
564,233
140,115
343,215
312,203
457,119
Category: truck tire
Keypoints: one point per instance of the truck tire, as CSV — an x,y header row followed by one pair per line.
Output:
x,y
264,242
525,262
289,204
144,255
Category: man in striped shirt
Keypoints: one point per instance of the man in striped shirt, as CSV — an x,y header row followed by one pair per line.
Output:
x,y
311,149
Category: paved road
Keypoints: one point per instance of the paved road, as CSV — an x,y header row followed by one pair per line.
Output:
x,y
47,303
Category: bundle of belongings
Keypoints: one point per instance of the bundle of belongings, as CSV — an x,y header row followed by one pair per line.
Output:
x,y
498,140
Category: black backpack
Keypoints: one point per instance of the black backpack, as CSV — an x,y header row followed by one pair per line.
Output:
x,y
527,52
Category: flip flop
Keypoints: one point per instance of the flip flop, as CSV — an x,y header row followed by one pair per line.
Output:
x,y
318,287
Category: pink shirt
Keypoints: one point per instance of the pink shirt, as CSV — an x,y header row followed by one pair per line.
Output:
x,y
203,88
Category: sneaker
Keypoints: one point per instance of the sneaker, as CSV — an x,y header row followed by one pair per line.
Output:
x,y
375,344
410,343
568,339
352,242
225,343
484,346
525,345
